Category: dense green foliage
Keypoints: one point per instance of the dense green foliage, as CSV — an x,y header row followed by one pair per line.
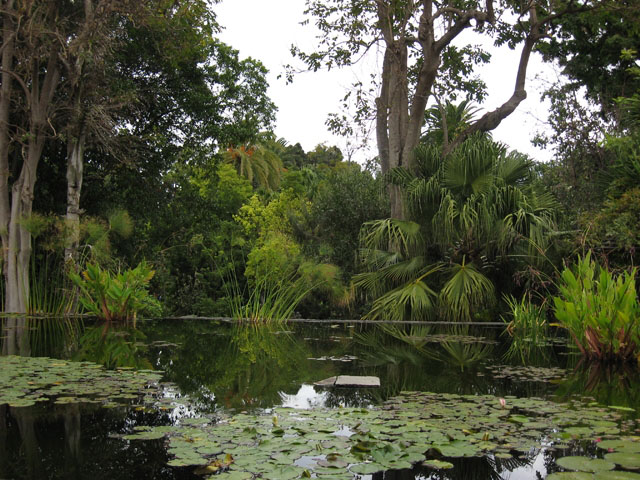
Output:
x,y
232,218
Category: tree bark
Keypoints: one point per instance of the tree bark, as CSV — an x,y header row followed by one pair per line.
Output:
x,y
8,46
399,116
75,165
491,120
39,88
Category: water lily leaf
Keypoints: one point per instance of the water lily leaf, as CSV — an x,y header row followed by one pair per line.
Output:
x,y
620,445
367,468
283,473
616,475
437,464
629,461
234,475
622,409
585,464
149,435
579,431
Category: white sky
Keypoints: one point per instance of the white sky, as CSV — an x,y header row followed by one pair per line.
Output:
x,y
258,30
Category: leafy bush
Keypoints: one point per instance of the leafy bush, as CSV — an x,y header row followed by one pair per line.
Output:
x,y
599,311
115,297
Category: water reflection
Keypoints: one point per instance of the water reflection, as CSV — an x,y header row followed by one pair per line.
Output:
x,y
115,347
410,357
307,397
15,336
238,367
50,337
78,442
608,384
248,367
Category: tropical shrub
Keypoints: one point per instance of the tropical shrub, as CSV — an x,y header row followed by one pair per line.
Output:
x,y
115,296
599,310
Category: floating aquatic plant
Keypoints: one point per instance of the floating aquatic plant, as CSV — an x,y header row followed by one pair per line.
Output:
x,y
411,428
27,380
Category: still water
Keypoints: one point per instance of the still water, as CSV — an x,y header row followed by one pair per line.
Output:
x,y
215,368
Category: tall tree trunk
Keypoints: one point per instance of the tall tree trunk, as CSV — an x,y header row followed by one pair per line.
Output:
x,y
8,45
39,91
75,164
399,114
18,282
77,141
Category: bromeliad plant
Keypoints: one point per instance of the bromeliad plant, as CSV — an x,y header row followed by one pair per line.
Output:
x,y
600,311
115,297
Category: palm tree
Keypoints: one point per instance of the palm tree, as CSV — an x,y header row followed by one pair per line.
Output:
x,y
445,122
258,162
470,215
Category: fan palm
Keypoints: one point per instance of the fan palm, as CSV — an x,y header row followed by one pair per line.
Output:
x,y
257,162
441,128
470,215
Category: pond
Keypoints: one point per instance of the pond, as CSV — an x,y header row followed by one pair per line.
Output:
x,y
195,397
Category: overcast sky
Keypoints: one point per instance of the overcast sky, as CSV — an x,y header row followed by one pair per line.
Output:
x,y
265,31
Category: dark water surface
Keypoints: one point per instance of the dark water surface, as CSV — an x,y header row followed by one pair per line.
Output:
x,y
214,367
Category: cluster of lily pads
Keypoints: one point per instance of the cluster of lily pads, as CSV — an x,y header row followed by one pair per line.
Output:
x,y
412,428
27,380
464,339
528,373
622,452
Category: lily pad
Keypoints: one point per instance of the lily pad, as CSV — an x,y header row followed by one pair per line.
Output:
x,y
151,435
367,468
585,464
25,380
438,464
628,461
616,475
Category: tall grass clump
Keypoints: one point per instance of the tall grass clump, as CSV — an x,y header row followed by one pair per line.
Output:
x,y
600,311
269,299
527,326
274,295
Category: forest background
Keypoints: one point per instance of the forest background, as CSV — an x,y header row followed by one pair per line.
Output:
x,y
131,133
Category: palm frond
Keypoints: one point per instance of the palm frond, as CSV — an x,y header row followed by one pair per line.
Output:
x,y
466,290
391,234
414,300
392,275
514,169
